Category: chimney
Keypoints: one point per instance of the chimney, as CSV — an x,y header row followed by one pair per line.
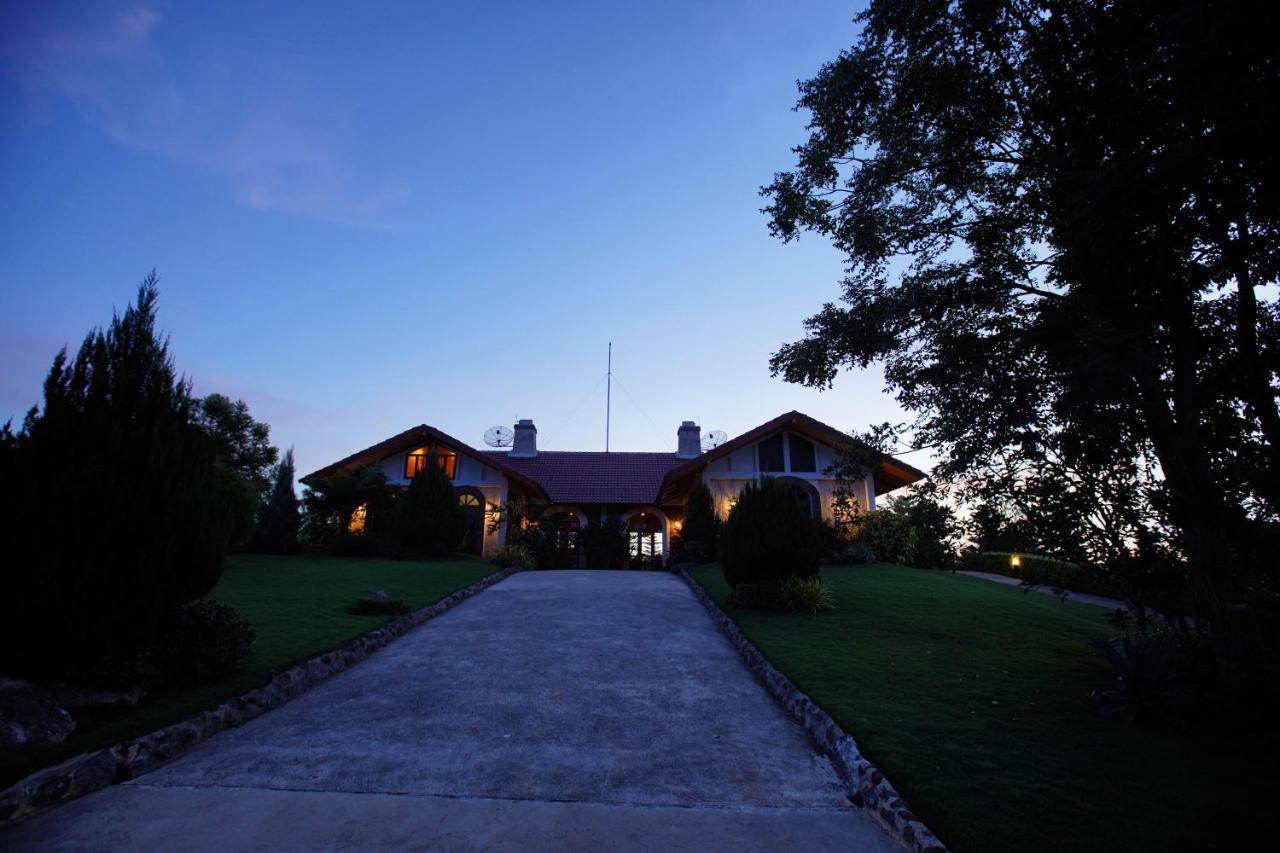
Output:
x,y
690,441
526,444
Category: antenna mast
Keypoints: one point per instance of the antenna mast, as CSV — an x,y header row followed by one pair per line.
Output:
x,y
608,397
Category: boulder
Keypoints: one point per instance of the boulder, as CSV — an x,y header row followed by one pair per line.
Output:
x,y
30,715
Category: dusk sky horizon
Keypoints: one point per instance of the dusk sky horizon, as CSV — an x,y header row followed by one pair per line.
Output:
x,y
369,218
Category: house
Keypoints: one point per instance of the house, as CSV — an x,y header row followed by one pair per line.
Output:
x,y
647,492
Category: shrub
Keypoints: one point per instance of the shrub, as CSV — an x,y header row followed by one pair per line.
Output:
x,y
329,504
1152,676
700,552
513,557
767,537
853,555
111,511
887,533
701,526
200,643
805,595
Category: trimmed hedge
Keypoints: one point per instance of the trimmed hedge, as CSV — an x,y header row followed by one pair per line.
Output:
x,y
1045,571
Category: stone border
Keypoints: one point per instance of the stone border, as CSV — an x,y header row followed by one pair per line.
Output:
x,y
132,758
866,784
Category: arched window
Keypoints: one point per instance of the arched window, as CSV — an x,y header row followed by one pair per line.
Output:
x,y
805,493
565,527
645,535
468,500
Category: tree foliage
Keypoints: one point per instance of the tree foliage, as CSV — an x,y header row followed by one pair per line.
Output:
x,y
243,444
1060,226
245,458
113,513
330,503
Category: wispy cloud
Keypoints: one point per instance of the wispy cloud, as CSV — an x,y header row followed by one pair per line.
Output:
x,y
104,60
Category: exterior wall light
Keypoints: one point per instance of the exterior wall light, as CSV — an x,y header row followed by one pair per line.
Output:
x,y
1015,562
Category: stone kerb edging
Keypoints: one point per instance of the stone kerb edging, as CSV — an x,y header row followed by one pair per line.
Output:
x,y
867,786
128,760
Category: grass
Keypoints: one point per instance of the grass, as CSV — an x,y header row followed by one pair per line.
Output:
x,y
299,607
972,697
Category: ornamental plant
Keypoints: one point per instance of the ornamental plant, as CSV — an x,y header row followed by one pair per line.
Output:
x,y
767,537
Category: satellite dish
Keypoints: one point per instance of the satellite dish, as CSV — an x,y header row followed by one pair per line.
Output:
x,y
714,439
499,436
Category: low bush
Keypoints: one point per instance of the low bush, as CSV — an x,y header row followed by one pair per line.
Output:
x,y
768,536
1152,675
854,554
513,557
805,595
201,642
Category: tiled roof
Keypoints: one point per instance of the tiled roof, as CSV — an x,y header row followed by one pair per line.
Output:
x,y
593,477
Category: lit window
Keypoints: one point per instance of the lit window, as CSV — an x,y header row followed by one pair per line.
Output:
x,y
468,500
645,535
358,515
416,459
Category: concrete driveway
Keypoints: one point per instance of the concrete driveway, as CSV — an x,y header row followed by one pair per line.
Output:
x,y
556,711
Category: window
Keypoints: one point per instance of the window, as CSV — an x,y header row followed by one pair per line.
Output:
x,y
445,458
565,527
803,456
645,535
468,500
770,454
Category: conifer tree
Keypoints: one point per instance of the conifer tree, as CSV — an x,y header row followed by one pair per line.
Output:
x,y
113,515
278,519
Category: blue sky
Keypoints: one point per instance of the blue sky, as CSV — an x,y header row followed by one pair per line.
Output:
x,y
369,216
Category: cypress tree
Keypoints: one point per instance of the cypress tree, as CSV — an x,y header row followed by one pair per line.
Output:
x,y
767,537
428,519
277,531
701,528
113,514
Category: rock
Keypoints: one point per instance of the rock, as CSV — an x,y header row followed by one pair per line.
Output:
x,y
30,715
75,698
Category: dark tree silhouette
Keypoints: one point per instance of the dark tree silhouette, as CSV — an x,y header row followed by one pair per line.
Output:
x,y
113,512
1060,223
278,518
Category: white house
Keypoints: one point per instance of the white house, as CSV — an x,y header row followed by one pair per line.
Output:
x,y
647,492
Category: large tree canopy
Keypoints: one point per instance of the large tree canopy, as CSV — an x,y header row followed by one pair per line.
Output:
x,y
1061,230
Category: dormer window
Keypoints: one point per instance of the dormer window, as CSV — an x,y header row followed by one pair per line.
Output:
x,y
416,460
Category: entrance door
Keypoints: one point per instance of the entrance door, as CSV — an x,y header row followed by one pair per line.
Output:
x,y
472,503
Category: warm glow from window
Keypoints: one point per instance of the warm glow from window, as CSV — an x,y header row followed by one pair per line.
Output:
x,y
1015,562
445,458
358,515
468,500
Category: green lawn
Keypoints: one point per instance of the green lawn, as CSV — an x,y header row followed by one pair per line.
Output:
x,y
298,606
973,698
